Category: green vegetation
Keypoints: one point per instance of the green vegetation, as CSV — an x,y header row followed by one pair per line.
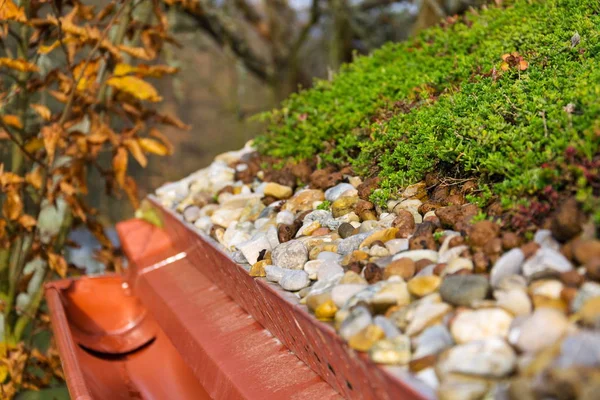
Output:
x,y
326,205
442,101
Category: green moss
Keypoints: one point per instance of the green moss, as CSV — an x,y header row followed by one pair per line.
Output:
x,y
441,101
326,205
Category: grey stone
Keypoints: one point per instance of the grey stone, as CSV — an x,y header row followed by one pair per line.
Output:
x,y
350,244
463,290
334,193
294,280
358,319
291,255
509,264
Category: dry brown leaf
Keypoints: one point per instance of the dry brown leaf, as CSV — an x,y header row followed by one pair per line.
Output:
x,y
57,264
34,178
132,192
135,87
51,134
138,52
34,144
27,221
143,70
9,178
18,64
13,205
42,111
12,120
119,164
153,146
136,151
163,138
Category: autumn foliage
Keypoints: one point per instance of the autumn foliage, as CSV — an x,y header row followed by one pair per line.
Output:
x,y
75,95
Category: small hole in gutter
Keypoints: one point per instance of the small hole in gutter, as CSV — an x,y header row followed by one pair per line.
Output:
x,y
349,385
331,368
317,357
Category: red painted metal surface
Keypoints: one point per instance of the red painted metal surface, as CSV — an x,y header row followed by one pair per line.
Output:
x,y
111,348
317,344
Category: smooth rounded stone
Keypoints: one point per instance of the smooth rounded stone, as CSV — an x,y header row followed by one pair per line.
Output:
x,y
352,243
491,357
234,238
462,387
251,210
308,228
278,191
458,264
448,236
586,292
579,349
353,277
395,246
294,280
427,271
273,273
417,255
238,257
326,311
463,290
590,313
515,301
378,251
380,236
258,269
510,282
253,247
315,298
357,319
191,213
318,215
224,217
432,340
204,224
285,217
312,268
329,271
303,200
387,219
392,293
452,254
368,227
544,238
350,218
342,206
261,222
269,212
329,256
510,263
345,230
340,294
541,329
423,285
391,351
548,288
470,325
546,259
339,190
404,268
272,236
425,315
365,339
390,330
291,255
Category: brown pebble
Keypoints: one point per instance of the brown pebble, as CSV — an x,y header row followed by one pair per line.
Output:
x,y
268,200
366,188
368,215
423,237
568,294
355,266
428,206
567,221
325,178
285,232
456,200
362,206
438,269
567,250
529,249
493,246
422,363
405,223
482,232
592,268
469,187
300,217
377,243
320,232
495,209
481,262
572,278
463,271
226,189
345,230
404,267
585,250
419,265
456,241
510,240
373,273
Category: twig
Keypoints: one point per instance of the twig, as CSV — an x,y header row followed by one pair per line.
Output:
x,y
17,142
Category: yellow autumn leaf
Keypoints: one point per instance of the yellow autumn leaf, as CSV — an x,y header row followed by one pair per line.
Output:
x,y
34,145
153,146
34,178
12,120
119,164
138,52
57,264
143,70
42,111
27,221
51,135
18,64
163,138
10,11
136,151
10,178
86,77
134,86
13,205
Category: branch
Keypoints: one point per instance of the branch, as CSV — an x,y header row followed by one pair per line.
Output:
x,y
315,14
17,142
371,4
223,31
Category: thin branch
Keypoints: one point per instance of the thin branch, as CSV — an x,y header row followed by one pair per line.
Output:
x,y
17,142
315,14
371,4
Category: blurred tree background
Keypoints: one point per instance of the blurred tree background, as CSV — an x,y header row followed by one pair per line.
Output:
x,y
241,57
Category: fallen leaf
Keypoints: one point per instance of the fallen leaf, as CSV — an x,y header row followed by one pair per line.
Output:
x,y
119,164
10,11
135,87
42,111
153,146
57,264
18,64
